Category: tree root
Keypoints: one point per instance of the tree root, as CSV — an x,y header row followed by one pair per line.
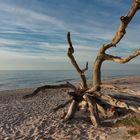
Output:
x,y
94,116
42,88
71,111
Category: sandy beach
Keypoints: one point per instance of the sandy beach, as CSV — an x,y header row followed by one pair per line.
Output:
x,y
34,119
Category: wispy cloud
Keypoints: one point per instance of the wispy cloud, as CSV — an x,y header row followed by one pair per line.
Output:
x,y
29,19
36,31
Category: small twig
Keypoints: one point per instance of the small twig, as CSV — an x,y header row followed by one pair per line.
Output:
x,y
86,68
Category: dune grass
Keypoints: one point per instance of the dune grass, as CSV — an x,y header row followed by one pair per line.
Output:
x,y
133,122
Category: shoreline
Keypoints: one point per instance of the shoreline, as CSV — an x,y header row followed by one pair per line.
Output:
x,y
33,118
119,81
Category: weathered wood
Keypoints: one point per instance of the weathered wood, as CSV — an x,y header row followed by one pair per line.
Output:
x,y
102,110
122,60
93,110
67,85
73,61
125,20
92,96
117,103
126,98
71,111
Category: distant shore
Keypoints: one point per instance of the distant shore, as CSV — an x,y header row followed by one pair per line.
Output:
x,y
19,79
33,118
128,81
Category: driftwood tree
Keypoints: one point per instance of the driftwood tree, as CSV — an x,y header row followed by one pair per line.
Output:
x,y
94,98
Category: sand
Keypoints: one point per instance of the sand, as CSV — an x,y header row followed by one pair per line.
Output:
x,y
33,118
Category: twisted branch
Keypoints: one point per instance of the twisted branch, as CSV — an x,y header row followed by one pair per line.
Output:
x,y
125,20
67,85
73,61
122,60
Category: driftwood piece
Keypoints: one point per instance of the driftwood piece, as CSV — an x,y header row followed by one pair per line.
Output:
x,y
102,110
71,111
94,116
117,103
127,98
42,88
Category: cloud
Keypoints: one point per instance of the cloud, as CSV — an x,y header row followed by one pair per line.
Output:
x,y
34,30
5,42
25,17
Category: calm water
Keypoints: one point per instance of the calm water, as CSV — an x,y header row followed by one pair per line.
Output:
x,y
25,79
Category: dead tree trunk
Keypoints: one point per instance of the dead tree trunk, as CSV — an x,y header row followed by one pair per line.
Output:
x,y
102,56
94,98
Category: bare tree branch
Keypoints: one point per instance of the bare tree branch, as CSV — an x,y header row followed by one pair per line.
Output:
x,y
86,68
102,110
73,61
125,20
71,111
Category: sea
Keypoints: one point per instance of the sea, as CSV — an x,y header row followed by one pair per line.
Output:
x,y
18,79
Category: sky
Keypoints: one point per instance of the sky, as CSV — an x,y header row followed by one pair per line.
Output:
x,y
33,33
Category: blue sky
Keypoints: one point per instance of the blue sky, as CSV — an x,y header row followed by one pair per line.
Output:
x,y
33,32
